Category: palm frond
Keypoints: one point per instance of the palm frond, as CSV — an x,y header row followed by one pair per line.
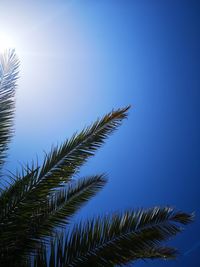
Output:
x,y
15,192
11,199
64,161
61,163
56,258
62,205
33,225
9,65
120,239
59,208
27,193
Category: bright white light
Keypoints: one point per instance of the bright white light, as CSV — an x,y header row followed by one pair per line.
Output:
x,y
6,42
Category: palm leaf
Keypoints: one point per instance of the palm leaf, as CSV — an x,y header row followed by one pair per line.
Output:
x,y
32,190
16,191
119,239
64,161
55,212
62,205
9,65
57,256
59,166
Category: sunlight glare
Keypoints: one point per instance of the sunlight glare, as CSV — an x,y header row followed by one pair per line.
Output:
x,y
6,42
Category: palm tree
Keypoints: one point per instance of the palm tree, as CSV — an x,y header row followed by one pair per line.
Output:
x,y
37,204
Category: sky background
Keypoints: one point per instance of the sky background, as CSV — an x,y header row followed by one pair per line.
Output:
x,y
82,58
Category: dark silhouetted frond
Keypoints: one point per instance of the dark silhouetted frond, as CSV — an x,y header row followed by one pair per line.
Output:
x,y
59,165
55,212
63,204
113,239
8,76
118,240
64,161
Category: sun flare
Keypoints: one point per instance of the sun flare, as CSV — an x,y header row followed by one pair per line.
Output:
x,y
6,42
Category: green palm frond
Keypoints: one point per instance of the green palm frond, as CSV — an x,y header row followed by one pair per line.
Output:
x,y
12,221
16,191
57,257
117,240
55,212
64,161
31,191
63,204
9,65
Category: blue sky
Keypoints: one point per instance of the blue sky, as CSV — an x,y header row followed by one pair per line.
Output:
x,y
80,59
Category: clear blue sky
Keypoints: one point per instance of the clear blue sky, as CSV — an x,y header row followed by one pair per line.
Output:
x,y
80,59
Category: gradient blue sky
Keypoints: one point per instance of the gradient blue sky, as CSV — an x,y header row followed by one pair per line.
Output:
x,y
80,59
